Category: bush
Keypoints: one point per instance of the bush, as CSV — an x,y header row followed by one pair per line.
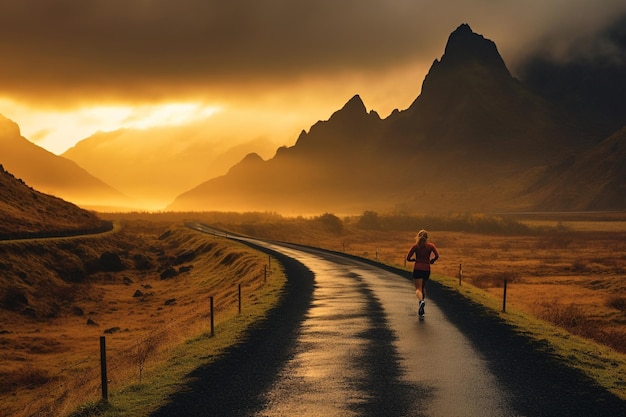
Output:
x,y
27,376
111,262
330,222
92,409
369,220
495,280
14,299
618,303
569,317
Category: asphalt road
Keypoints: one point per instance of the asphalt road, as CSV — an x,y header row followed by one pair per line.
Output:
x,y
346,340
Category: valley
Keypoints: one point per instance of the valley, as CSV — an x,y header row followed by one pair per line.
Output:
x,y
122,122
64,293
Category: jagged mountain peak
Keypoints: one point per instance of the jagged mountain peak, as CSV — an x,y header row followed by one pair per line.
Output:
x,y
343,128
252,158
355,104
353,109
464,45
250,161
478,133
466,53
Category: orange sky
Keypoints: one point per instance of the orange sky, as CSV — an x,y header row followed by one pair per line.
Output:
x,y
73,67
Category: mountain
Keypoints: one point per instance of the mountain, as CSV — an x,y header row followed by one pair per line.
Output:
x,y
592,180
27,212
474,139
50,173
470,102
155,165
317,173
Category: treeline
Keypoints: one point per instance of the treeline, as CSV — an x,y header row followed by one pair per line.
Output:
x,y
250,222
105,226
463,222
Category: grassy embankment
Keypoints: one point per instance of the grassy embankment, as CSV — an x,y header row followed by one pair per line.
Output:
x,y
147,286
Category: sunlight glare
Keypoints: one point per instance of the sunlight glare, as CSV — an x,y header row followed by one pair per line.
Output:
x,y
58,131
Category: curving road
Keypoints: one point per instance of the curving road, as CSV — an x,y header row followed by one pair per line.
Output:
x,y
363,351
346,341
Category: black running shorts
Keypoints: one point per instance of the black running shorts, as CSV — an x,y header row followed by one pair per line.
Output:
x,y
418,274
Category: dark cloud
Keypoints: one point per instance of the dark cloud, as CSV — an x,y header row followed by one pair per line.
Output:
x,y
148,49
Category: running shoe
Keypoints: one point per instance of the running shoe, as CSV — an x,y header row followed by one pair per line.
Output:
x,y
420,311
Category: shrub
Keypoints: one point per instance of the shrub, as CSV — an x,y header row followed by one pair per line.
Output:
x,y
495,280
618,303
27,376
369,220
92,409
14,299
330,222
569,317
111,262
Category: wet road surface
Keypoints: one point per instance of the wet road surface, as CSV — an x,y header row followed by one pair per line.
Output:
x,y
362,350
346,340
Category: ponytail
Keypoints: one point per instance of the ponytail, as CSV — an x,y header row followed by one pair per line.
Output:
x,y
421,238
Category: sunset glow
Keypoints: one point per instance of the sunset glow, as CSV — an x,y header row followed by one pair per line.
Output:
x,y
58,130
196,85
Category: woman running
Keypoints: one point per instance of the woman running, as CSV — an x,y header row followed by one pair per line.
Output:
x,y
420,253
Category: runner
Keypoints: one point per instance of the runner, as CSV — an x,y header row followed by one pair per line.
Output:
x,y
420,253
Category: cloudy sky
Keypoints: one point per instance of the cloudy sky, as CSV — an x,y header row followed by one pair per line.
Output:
x,y
73,67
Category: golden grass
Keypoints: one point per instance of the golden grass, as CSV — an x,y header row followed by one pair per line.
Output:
x,y
24,210
51,354
563,283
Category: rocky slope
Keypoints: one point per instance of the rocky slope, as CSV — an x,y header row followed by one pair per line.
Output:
x,y
25,212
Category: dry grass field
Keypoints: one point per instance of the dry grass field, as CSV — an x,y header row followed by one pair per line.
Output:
x,y
145,286
576,280
571,273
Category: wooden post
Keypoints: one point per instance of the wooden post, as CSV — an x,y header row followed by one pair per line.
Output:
x,y
239,290
504,297
212,319
103,369
460,273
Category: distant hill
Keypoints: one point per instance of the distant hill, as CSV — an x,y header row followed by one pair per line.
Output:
x,y
154,165
591,180
52,174
25,212
475,139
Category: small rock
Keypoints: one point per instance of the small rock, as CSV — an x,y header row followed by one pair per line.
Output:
x,y
112,330
169,272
